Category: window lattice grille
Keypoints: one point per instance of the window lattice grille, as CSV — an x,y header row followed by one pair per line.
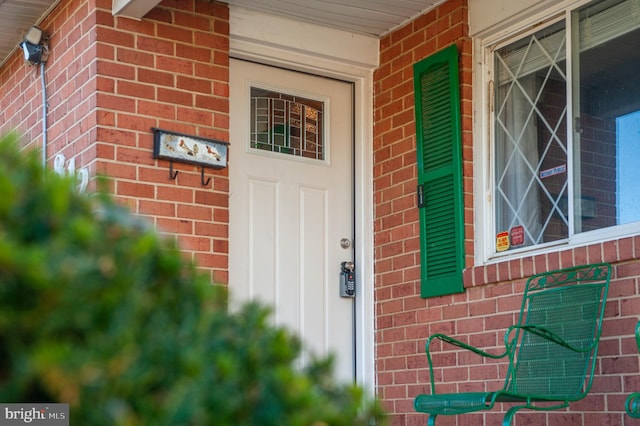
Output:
x,y
531,152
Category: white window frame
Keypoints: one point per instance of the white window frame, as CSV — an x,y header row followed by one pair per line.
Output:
x,y
484,44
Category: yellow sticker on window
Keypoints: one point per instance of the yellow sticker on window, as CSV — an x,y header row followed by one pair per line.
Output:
x,y
502,241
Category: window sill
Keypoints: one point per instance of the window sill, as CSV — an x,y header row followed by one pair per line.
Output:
x,y
503,269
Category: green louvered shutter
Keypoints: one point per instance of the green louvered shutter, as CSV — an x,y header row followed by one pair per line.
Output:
x,y
438,136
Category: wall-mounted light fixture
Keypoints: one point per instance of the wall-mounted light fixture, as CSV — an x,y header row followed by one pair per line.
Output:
x,y
34,46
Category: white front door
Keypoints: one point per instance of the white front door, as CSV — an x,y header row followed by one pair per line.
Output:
x,y
291,203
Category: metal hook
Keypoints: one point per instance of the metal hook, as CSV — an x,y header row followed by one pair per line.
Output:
x,y
202,178
172,175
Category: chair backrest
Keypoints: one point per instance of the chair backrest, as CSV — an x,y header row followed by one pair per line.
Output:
x,y
570,303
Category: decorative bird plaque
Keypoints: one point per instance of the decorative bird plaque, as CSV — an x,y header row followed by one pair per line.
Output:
x,y
189,149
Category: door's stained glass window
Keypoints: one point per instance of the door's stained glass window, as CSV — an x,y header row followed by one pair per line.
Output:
x,y
287,124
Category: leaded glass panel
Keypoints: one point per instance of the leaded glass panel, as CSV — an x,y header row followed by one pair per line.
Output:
x,y
287,124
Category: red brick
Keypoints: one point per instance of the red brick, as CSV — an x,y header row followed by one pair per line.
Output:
x,y
135,57
116,103
191,243
117,171
155,208
173,193
156,77
221,215
126,155
127,88
115,37
174,33
175,66
211,229
175,226
194,53
190,115
194,84
195,212
177,97
154,45
192,21
157,110
135,189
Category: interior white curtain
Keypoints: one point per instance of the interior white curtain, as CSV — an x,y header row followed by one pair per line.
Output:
x,y
517,158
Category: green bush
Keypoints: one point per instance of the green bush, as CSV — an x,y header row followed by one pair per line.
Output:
x,y
99,311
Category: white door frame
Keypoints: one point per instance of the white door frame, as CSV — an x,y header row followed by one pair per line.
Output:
x,y
294,45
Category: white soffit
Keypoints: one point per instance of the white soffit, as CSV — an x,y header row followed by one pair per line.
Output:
x,y
369,17
373,18
16,17
133,8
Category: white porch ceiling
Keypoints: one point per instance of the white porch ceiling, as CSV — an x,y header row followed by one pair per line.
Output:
x,y
370,17
16,17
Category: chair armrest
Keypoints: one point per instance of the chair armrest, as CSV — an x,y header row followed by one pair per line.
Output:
x,y
454,342
548,335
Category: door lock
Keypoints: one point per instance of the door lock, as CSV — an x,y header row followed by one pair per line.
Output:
x,y
347,279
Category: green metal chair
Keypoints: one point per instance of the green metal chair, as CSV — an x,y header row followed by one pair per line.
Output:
x,y
551,350
632,406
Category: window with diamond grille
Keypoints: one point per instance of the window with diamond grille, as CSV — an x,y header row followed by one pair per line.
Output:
x,y
287,124
566,143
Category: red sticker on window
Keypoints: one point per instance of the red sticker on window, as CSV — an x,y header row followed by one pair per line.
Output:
x,y
517,235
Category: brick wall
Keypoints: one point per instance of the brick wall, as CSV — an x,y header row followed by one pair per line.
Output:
x,y
109,81
168,71
402,318
492,295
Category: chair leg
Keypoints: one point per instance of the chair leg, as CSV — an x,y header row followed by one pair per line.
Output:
x,y
509,416
431,421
